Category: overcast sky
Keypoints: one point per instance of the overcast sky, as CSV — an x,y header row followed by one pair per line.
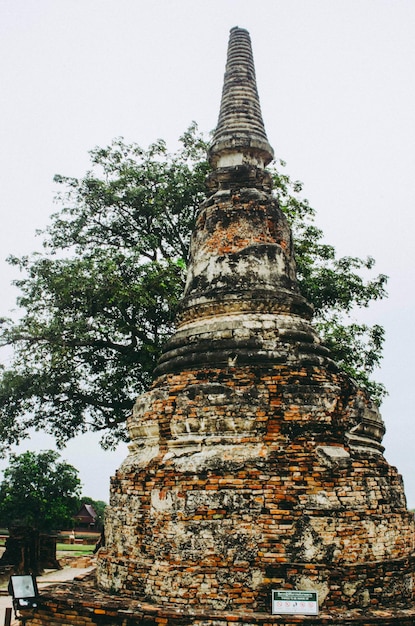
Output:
x,y
336,83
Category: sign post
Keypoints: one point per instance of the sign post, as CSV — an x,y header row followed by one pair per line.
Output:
x,y
294,602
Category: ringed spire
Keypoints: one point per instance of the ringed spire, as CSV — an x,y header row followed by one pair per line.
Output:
x,y
240,135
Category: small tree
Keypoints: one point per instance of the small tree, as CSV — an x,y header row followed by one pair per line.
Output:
x,y
39,491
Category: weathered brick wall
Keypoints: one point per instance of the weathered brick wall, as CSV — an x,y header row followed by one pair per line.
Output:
x,y
242,480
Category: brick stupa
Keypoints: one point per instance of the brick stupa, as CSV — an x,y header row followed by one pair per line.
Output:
x,y
255,464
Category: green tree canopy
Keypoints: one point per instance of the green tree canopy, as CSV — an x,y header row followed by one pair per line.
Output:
x,y
39,490
98,303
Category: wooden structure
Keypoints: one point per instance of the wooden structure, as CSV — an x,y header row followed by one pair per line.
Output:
x,y
86,518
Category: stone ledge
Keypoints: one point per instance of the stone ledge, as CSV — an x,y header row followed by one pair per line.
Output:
x,y
87,604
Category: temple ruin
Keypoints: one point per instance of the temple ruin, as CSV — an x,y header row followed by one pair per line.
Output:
x,y
255,464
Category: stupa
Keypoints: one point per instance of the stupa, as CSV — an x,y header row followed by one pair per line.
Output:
x,y
255,464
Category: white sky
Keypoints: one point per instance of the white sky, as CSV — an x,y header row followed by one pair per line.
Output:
x,y
336,83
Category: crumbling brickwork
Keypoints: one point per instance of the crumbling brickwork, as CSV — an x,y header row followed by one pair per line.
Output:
x,y
256,486
254,463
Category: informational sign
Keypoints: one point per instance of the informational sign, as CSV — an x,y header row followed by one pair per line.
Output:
x,y
294,602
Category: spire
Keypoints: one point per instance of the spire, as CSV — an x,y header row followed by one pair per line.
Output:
x,y
240,135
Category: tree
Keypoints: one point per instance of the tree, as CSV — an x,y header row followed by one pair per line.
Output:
x,y
39,491
99,302
336,287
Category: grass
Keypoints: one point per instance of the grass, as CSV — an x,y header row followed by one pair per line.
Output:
x,y
78,548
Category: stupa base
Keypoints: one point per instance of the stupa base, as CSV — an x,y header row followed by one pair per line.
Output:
x,y
81,603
